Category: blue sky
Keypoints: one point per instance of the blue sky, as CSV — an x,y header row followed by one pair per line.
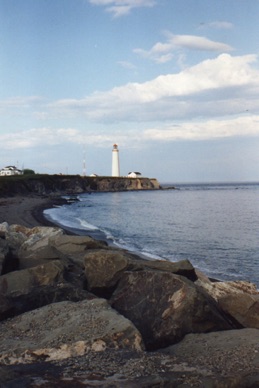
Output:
x,y
175,83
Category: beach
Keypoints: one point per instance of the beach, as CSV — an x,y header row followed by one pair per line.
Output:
x,y
26,210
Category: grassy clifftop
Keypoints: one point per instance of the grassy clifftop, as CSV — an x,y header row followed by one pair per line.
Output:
x,y
70,184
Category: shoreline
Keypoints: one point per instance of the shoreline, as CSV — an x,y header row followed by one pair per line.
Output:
x,y
28,210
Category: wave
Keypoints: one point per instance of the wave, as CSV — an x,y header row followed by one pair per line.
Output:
x,y
86,225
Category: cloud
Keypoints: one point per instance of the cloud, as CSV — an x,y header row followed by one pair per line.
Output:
x,y
51,137
37,137
20,102
163,52
228,82
122,7
46,138
215,98
220,25
206,130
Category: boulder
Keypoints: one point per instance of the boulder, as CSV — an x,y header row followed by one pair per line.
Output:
x,y
70,329
182,267
165,307
16,235
40,257
28,289
104,268
239,299
22,282
231,355
4,253
37,239
75,247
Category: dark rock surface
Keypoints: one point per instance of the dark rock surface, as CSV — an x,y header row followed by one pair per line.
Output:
x,y
165,307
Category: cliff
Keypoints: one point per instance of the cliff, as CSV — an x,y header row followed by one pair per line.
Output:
x,y
71,184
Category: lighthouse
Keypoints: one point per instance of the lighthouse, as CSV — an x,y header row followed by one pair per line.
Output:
x,y
115,161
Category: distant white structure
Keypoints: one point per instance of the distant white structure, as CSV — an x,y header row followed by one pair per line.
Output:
x,y
115,161
134,175
10,170
84,165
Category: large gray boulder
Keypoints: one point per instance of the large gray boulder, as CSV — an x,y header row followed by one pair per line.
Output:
x,y
16,235
75,247
231,355
69,330
31,288
165,307
239,299
22,282
37,239
4,252
104,268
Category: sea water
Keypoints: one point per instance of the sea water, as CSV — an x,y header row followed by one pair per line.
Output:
x,y
215,226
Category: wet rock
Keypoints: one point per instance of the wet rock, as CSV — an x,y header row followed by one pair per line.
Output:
x,y
165,307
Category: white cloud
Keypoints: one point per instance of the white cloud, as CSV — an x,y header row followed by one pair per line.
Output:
x,y
51,137
206,130
246,125
174,95
19,102
199,99
37,137
163,52
122,7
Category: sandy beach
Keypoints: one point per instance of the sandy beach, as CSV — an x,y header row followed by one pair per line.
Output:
x,y
27,211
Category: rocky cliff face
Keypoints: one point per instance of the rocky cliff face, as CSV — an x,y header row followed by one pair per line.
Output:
x,y
73,184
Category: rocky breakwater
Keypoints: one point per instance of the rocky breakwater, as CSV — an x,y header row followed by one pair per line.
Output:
x,y
76,312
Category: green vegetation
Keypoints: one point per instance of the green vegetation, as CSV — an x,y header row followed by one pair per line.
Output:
x,y
28,171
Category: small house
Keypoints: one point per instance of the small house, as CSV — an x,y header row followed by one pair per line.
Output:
x,y
10,170
134,174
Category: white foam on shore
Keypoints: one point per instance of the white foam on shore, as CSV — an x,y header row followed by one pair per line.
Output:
x,y
87,225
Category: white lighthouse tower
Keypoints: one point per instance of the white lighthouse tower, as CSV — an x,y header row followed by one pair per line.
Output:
x,y
115,161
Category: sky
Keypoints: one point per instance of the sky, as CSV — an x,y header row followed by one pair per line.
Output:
x,y
175,83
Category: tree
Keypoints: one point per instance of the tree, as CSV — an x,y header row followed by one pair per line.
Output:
x,y
28,171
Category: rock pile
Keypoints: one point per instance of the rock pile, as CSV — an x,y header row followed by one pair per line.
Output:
x,y
66,300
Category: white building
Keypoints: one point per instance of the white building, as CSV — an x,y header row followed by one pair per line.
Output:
x,y
10,170
134,175
115,161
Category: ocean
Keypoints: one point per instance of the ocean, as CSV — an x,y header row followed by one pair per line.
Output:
x,y
214,226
